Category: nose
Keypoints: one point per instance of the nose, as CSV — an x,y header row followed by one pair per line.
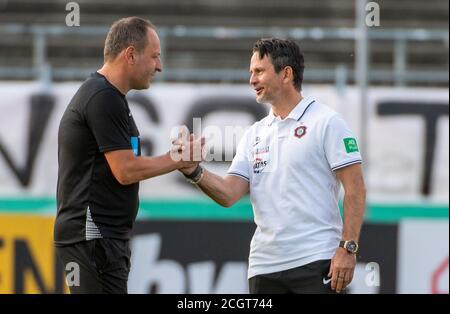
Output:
x,y
158,66
253,80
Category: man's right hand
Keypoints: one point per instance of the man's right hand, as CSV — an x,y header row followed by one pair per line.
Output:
x,y
189,153
188,170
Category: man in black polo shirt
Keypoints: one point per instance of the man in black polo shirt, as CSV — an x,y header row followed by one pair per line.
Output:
x,y
100,164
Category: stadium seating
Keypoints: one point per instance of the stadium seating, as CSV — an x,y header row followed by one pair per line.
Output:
x,y
210,53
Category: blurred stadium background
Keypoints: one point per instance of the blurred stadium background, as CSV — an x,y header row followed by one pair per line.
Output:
x,y
389,81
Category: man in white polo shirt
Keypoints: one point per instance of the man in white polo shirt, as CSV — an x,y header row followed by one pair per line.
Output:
x,y
293,162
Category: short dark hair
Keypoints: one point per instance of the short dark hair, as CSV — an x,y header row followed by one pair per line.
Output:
x,y
283,53
129,31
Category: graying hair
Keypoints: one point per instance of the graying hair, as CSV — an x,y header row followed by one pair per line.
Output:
x,y
129,31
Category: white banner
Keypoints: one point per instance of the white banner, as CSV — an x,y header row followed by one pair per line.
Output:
x,y
403,126
423,257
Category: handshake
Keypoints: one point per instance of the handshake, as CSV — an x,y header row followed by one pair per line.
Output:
x,y
187,151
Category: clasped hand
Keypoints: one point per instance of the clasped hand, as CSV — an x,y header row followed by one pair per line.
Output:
x,y
188,150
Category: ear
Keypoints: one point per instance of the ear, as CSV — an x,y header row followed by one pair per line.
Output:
x,y
130,55
288,74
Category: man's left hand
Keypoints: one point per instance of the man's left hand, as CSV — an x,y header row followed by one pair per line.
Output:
x,y
341,270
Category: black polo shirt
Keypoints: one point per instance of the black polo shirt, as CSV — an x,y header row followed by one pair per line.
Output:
x,y
91,202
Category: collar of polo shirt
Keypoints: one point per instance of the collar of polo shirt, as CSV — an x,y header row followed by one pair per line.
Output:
x,y
295,114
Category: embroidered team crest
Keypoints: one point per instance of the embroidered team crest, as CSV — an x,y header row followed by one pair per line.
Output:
x,y
300,131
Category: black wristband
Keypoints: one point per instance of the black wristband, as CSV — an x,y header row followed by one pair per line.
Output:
x,y
194,174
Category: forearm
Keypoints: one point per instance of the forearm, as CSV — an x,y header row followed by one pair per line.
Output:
x,y
145,167
354,205
217,188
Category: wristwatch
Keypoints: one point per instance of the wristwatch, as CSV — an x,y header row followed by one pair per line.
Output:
x,y
351,246
196,176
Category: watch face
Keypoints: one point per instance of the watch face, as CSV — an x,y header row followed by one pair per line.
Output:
x,y
352,247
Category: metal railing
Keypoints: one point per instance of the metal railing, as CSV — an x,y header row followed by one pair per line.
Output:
x,y
399,75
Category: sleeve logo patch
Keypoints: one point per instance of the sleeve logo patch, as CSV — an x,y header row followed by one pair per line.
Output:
x,y
135,145
350,145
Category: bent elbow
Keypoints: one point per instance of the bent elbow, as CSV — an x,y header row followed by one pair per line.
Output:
x,y
123,179
124,182
227,203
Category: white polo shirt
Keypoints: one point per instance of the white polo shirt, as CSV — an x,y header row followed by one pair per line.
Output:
x,y
294,191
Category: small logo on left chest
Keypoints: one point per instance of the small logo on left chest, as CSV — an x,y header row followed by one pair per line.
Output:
x,y
300,131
